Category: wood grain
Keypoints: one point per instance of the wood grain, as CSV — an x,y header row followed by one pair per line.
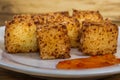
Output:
x,y
108,8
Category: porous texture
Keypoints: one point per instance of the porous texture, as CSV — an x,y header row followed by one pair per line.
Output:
x,y
53,41
98,38
20,35
73,28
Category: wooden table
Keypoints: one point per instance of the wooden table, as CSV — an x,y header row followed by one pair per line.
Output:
x,y
10,75
8,8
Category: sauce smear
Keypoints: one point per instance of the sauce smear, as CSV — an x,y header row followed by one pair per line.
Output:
x,y
90,62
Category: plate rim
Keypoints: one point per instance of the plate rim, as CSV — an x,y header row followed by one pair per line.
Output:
x,y
58,73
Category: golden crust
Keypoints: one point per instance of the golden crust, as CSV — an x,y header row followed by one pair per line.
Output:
x,y
98,38
49,17
83,15
53,41
20,35
71,23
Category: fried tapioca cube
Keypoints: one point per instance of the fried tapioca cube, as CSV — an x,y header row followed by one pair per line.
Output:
x,y
20,35
98,38
53,41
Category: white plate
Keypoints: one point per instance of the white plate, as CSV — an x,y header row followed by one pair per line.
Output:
x,y
31,64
